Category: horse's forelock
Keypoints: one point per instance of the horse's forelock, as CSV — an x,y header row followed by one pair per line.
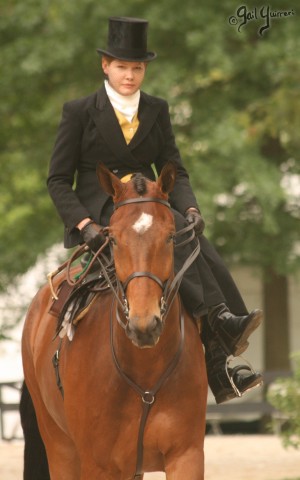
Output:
x,y
140,184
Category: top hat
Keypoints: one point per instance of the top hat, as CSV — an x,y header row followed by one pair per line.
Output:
x,y
127,40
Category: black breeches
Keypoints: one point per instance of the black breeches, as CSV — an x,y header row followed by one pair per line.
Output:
x,y
207,282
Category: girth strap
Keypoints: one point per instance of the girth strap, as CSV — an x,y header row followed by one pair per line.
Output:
x,y
55,363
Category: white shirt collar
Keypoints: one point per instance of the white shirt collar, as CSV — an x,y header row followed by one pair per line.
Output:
x,y
127,105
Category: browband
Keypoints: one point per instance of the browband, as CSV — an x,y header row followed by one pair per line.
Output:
x,y
141,200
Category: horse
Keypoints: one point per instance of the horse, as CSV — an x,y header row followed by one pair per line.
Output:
x,y
133,384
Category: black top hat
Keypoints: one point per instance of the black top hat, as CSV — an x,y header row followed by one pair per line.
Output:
x,y
127,40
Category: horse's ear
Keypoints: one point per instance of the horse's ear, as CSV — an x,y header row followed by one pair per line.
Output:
x,y
108,181
167,178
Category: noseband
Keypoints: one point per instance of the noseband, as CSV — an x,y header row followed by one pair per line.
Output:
x,y
170,286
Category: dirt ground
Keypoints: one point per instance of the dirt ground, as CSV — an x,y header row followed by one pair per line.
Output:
x,y
228,457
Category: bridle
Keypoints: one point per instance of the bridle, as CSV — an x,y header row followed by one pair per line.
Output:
x,y
171,285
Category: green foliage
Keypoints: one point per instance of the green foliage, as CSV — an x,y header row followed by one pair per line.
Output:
x,y
234,99
236,111
285,397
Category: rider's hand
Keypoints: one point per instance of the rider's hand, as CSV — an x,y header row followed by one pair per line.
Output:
x,y
93,236
193,215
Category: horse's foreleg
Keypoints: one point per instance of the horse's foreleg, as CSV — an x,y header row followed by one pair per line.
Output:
x,y
62,456
189,465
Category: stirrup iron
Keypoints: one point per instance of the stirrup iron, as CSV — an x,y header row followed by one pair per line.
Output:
x,y
234,370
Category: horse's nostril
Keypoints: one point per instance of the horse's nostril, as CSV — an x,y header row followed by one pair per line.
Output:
x,y
154,327
147,336
157,323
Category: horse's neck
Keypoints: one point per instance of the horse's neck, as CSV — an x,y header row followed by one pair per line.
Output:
x,y
145,365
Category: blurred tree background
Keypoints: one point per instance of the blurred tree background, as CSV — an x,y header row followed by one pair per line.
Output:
x,y
235,100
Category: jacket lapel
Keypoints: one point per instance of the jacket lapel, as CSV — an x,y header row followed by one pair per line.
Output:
x,y
107,123
147,115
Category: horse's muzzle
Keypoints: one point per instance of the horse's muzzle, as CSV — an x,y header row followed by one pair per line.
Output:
x,y
145,337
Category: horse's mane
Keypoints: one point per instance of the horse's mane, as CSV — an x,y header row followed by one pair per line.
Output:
x,y
139,183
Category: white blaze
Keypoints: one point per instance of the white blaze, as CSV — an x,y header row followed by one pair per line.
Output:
x,y
143,223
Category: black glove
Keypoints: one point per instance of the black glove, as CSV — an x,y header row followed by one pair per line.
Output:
x,y
93,236
194,216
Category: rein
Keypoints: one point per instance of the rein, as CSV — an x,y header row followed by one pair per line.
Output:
x,y
169,288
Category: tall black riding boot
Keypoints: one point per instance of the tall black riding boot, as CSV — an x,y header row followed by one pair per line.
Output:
x,y
226,383
232,331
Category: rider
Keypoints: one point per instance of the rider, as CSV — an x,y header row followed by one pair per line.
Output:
x,y
129,131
